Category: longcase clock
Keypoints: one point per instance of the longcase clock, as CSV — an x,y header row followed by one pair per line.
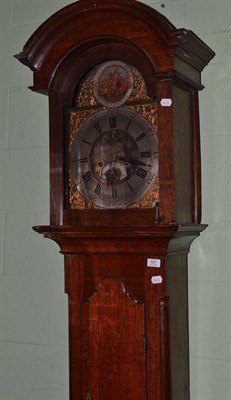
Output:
x,y
125,191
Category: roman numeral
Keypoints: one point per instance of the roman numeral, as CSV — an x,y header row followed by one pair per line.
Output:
x,y
129,123
130,187
141,172
97,189
114,192
87,176
85,141
97,127
144,154
112,121
140,137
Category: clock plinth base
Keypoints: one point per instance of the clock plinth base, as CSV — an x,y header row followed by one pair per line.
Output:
x,y
128,309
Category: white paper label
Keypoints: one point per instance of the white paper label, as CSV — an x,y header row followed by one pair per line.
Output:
x,y
156,279
166,102
153,262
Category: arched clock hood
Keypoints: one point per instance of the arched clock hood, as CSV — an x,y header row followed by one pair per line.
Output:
x,y
87,24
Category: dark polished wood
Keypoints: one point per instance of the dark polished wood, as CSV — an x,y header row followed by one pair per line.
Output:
x,y
112,264
128,322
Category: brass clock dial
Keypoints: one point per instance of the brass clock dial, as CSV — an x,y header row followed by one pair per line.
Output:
x,y
114,158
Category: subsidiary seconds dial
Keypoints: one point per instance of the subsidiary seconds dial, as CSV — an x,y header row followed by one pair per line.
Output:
x,y
114,158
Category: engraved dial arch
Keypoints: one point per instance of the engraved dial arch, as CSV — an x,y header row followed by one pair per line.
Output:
x,y
113,83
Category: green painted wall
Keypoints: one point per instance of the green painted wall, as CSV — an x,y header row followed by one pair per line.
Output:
x,y
33,306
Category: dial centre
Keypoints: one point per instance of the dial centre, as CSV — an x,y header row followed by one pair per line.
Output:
x,y
110,155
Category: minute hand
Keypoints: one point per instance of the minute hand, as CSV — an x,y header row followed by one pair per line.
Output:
x,y
133,161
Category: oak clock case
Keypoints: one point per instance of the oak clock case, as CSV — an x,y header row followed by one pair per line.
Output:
x,y
113,147
125,190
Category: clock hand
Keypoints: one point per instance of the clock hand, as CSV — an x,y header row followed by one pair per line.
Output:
x,y
133,161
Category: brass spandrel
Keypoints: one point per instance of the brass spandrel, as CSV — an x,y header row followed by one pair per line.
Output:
x,y
85,97
148,111
77,201
150,196
139,87
77,118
